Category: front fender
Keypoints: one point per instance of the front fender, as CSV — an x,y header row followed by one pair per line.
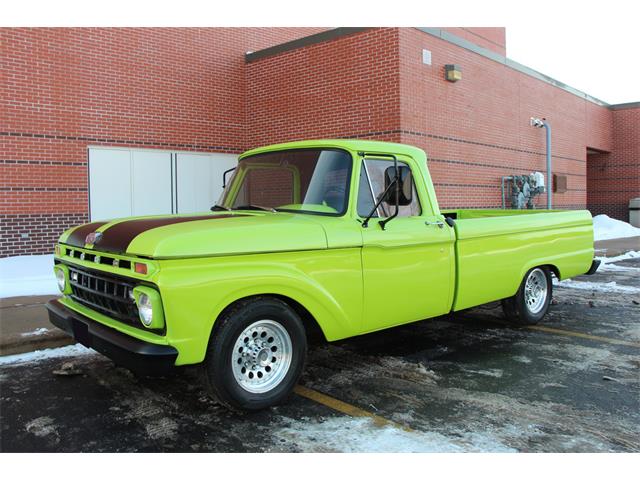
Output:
x,y
328,283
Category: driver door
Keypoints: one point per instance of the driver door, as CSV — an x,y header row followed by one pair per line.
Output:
x,y
408,268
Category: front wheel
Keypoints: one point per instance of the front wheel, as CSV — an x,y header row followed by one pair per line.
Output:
x,y
256,354
531,303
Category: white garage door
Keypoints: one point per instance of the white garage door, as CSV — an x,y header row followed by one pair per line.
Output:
x,y
199,179
125,182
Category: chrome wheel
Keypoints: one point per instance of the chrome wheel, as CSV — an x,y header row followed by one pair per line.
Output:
x,y
536,290
261,356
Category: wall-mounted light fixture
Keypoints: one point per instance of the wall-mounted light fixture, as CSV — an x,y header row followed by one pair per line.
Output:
x,y
452,73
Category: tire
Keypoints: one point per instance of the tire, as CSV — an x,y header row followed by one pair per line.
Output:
x,y
256,354
531,303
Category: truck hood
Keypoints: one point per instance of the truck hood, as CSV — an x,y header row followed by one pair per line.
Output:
x,y
207,234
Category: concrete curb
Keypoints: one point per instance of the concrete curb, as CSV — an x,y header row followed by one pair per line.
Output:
x,y
25,327
39,343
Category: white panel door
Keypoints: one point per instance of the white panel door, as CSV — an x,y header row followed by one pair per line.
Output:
x,y
109,183
125,182
151,182
199,179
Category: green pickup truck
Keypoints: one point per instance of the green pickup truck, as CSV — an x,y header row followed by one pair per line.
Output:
x,y
329,237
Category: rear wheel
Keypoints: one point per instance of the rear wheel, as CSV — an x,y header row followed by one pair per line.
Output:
x,y
531,303
256,354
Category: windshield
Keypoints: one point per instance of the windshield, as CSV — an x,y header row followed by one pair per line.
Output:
x,y
314,181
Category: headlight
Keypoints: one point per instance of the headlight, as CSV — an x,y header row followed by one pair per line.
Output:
x,y
61,279
149,307
145,309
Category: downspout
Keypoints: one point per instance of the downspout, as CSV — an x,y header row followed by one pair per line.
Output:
x,y
547,127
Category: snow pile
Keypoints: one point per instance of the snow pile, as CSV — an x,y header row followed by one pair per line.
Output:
x,y
27,275
39,355
608,264
606,228
340,434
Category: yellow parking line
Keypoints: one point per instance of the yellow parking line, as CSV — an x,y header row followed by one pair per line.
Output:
x,y
346,408
570,333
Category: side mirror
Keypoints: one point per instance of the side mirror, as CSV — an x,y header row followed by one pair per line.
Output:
x,y
405,190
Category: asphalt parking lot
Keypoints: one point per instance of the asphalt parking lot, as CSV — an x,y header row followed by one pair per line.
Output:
x,y
466,382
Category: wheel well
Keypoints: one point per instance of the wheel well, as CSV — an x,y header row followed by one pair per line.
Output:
x,y
553,269
314,332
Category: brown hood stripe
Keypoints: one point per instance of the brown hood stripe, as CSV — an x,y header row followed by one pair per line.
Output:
x,y
76,238
116,239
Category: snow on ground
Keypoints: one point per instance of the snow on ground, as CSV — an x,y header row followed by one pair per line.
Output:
x,y
624,256
612,267
27,275
608,264
341,434
609,287
606,228
38,355
36,332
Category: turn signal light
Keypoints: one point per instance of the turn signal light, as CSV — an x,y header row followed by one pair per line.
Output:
x,y
140,268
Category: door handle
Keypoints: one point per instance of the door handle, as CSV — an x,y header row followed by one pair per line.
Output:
x,y
438,223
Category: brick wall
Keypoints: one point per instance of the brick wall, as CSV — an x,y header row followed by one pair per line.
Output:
x,y
477,130
63,90
374,85
614,178
31,234
341,88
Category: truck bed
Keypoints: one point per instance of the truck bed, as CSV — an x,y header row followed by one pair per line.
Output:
x,y
495,248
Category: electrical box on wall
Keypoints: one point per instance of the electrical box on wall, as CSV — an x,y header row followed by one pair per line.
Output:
x,y
559,183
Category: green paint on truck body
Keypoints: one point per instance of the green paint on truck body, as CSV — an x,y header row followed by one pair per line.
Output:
x,y
352,280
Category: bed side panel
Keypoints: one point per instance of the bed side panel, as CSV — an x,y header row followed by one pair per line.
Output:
x,y
494,253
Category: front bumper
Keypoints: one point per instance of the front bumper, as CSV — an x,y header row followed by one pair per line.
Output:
x,y
137,355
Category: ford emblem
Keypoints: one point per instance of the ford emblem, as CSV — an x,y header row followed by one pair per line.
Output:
x,y
93,238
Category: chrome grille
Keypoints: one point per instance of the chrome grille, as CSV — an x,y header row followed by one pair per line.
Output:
x,y
106,294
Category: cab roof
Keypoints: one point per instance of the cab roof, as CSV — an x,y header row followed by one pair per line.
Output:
x,y
367,146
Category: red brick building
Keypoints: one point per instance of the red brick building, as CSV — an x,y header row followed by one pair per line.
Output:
x,y
81,105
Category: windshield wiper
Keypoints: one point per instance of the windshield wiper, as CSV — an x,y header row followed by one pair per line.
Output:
x,y
254,207
217,207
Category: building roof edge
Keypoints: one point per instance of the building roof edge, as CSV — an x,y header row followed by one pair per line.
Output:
x,y
624,106
339,32
496,57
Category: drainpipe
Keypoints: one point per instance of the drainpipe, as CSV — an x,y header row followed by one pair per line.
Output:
x,y
539,123
547,127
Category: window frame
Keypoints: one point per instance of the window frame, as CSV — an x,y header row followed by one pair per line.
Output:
x,y
347,192
414,186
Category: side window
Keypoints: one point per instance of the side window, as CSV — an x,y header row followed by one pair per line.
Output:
x,y
371,188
